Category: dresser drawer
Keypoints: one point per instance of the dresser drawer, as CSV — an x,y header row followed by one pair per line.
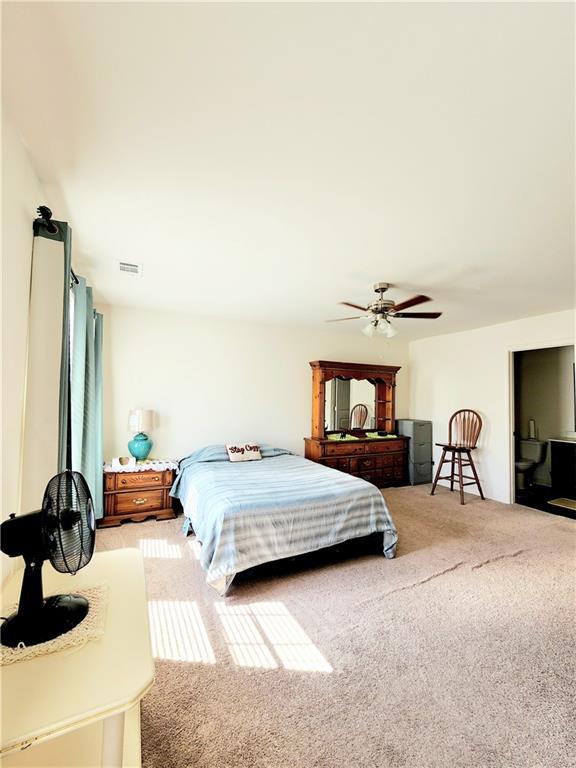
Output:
x,y
371,477
127,480
344,449
386,447
368,462
341,463
137,501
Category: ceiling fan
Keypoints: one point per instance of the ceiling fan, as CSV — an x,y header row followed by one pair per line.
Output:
x,y
382,311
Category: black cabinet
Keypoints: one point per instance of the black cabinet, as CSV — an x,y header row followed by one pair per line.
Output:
x,y
563,467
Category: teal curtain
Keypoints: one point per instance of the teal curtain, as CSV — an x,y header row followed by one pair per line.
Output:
x,y
86,391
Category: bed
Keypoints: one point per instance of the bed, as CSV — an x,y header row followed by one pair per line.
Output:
x,y
253,512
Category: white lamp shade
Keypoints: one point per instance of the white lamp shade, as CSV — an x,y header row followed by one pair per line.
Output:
x,y
140,420
369,329
386,328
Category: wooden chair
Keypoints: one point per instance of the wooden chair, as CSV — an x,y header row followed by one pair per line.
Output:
x,y
358,416
463,432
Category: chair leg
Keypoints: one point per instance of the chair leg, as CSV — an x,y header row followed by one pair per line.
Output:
x,y
460,478
435,483
453,469
473,468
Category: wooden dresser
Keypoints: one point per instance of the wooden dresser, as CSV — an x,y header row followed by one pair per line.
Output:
x,y
136,496
381,460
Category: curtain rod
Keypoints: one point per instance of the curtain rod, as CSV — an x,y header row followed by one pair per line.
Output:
x,y
45,218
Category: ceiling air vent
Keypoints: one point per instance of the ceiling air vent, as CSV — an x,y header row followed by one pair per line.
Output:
x,y
130,268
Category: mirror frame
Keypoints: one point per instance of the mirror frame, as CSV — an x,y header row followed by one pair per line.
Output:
x,y
382,376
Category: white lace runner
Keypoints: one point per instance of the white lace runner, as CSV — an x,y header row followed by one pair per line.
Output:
x,y
154,465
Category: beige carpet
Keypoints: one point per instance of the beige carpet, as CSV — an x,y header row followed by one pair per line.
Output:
x,y
458,653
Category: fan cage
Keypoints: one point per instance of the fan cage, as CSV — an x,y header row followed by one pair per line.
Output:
x,y
68,522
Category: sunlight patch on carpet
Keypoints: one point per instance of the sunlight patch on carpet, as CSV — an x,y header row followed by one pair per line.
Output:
x,y
178,632
248,629
159,548
292,645
245,642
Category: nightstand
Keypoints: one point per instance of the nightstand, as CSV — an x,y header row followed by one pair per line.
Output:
x,y
137,495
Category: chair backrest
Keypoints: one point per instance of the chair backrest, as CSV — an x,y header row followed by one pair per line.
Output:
x,y
464,428
358,416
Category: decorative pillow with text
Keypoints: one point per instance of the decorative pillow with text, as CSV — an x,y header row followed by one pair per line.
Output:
x,y
246,452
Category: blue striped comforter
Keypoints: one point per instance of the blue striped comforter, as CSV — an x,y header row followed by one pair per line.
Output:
x,y
248,513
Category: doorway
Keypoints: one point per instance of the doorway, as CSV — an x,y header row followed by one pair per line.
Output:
x,y
544,435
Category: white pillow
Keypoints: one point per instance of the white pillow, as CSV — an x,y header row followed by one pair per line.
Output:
x,y
244,452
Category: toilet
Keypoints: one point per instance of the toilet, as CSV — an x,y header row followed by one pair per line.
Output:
x,y
530,454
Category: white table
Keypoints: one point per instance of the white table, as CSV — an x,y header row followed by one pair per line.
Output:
x,y
81,707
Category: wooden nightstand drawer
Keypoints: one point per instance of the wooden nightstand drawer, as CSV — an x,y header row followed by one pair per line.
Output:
x,y
127,480
138,501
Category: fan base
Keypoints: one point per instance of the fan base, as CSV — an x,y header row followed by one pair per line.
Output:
x,y
59,614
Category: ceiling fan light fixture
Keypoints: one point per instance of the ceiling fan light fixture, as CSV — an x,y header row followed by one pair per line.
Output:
x,y
370,329
386,328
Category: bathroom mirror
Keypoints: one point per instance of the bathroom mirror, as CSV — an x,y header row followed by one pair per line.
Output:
x,y
340,405
49,279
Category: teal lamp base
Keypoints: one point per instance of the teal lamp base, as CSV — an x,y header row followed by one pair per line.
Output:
x,y
140,446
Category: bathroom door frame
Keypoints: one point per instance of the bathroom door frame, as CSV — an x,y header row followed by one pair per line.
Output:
x,y
562,342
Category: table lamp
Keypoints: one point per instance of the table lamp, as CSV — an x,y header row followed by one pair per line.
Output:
x,y
140,421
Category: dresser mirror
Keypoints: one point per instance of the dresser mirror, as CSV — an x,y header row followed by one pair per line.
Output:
x,y
337,388
349,404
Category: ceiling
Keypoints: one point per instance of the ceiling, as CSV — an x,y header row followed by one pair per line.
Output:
x,y
265,161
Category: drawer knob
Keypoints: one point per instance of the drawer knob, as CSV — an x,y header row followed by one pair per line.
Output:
x,y
139,501
122,482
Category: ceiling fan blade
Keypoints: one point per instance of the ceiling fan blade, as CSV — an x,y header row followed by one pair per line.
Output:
x,y
339,319
425,315
354,306
411,303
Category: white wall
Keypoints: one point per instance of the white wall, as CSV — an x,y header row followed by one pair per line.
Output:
x,y
21,194
472,369
213,382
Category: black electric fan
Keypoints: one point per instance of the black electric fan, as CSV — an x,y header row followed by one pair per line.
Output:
x,y
63,531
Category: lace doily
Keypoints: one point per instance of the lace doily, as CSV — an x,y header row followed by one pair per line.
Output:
x,y
90,628
156,465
